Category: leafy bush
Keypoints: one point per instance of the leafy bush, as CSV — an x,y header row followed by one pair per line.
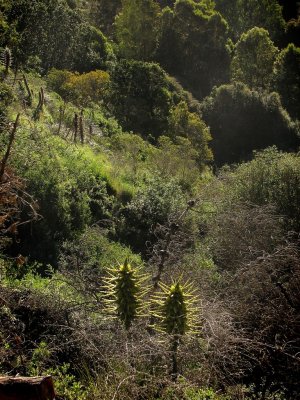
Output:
x,y
243,120
150,206
204,394
287,78
69,187
80,89
66,384
85,260
190,125
272,178
139,97
57,34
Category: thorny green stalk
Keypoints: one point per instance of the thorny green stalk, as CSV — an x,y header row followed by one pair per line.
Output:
x,y
125,294
177,316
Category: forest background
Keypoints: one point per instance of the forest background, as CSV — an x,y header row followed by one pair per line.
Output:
x,y
150,197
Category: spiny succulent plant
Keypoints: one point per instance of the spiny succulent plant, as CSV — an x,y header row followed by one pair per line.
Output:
x,y
176,309
124,293
177,315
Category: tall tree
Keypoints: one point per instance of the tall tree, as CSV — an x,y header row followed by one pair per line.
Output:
x,y
56,34
193,45
254,59
186,124
140,98
243,120
243,15
287,79
103,13
137,28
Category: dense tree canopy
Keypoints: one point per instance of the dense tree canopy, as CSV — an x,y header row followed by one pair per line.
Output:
x,y
193,45
150,176
103,13
243,15
243,120
254,59
140,98
56,35
137,29
287,79
186,124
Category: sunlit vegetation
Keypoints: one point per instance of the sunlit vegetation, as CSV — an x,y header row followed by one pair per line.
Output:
x,y
150,197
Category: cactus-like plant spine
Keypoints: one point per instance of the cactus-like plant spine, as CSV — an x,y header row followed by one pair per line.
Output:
x,y
177,315
125,293
175,308
175,311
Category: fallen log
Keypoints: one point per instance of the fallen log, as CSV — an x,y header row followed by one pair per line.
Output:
x,y
25,388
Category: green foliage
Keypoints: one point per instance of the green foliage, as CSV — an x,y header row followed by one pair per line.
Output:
x,y
80,89
67,184
204,394
92,51
40,358
103,13
57,81
193,45
6,98
124,293
176,159
129,155
272,177
254,59
138,189
139,97
137,29
151,205
34,27
243,15
7,60
175,308
66,384
287,79
242,120
57,34
186,124
91,254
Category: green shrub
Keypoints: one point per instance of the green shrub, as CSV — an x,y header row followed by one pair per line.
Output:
x,y
204,394
66,384
81,89
69,187
243,120
272,177
152,204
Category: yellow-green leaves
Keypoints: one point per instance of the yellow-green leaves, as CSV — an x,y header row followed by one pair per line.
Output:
x,y
174,308
125,293
176,311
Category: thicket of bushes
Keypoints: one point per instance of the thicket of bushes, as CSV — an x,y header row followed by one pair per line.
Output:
x,y
137,261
